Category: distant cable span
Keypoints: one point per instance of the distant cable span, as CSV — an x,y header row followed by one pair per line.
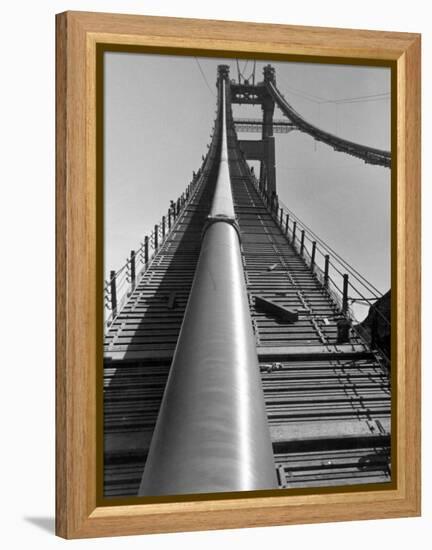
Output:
x,y
205,78
321,100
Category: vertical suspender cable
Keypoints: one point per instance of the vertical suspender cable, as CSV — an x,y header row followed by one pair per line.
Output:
x,y
212,433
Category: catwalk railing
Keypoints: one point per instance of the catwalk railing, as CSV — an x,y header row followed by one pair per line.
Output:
x,y
345,285
121,283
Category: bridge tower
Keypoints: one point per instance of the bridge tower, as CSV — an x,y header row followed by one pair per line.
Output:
x,y
315,392
262,150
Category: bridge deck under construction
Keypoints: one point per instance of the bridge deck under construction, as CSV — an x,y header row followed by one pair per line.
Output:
x,y
327,403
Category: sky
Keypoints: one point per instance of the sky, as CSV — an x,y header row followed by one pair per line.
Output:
x,y
159,111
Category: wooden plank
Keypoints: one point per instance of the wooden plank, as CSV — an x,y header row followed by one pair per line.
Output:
x,y
302,431
276,309
331,350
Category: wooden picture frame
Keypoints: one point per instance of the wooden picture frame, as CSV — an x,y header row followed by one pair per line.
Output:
x,y
79,34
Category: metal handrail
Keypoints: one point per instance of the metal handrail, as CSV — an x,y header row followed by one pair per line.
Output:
x,y
293,229
343,297
116,292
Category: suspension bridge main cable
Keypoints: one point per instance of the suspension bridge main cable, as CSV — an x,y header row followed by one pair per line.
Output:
x,y
370,155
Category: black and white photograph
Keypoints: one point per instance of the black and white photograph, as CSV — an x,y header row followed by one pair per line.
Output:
x,y
247,211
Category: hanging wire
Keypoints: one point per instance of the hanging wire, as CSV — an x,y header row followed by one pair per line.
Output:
x,y
321,100
238,71
360,99
204,77
244,69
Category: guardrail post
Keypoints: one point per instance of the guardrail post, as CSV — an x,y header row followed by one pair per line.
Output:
x,y
163,227
169,219
313,255
326,269
286,224
345,294
281,217
113,291
156,229
294,232
132,268
302,242
173,208
146,250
